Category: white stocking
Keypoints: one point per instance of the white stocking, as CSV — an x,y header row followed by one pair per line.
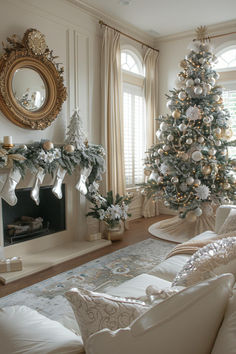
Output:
x,y
8,190
60,175
81,184
37,182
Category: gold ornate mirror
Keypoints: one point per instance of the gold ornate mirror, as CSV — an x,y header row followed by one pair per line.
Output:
x,y
31,83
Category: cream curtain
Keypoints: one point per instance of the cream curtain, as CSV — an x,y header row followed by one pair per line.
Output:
x,y
112,111
150,90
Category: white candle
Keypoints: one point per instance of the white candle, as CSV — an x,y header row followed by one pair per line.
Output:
x,y
7,140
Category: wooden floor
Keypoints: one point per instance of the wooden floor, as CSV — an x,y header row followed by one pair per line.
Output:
x,y
138,231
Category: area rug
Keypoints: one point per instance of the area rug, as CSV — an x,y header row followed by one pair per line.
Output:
x,y
181,230
47,296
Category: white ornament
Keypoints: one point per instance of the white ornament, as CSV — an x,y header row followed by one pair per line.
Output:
x,y
212,151
216,97
166,147
163,126
203,192
198,90
174,180
212,81
182,95
197,156
170,137
197,182
193,113
200,139
190,180
189,83
198,211
189,141
206,120
182,127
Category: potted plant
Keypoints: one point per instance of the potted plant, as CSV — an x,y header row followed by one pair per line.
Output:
x,y
112,211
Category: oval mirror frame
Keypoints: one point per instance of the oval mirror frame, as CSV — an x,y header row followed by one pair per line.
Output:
x,y
32,53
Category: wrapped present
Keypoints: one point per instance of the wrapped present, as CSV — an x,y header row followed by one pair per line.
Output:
x,y
13,264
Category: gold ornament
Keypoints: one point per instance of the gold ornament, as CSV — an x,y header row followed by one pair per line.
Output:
x,y
147,172
36,42
206,170
48,145
183,64
69,148
176,114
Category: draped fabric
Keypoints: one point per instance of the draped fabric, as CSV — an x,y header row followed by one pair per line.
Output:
x,y
150,208
112,111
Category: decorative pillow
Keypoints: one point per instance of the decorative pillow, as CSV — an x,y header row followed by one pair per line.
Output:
x,y
208,261
229,224
95,311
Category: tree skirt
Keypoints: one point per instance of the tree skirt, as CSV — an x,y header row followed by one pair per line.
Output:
x,y
181,230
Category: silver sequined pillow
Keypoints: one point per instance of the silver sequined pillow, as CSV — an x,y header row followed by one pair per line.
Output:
x,y
213,259
95,311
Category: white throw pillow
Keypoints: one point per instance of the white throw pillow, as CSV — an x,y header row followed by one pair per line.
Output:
x,y
95,311
25,331
226,339
186,323
229,224
213,259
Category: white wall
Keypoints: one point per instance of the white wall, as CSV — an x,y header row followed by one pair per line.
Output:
x,y
75,37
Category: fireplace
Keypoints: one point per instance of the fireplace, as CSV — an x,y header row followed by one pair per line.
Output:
x,y
26,221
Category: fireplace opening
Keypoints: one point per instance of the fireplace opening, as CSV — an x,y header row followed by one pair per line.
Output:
x,y
26,221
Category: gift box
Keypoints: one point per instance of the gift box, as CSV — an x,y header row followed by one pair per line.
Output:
x,y
13,264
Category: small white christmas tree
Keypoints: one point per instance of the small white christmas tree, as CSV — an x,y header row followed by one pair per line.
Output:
x,y
75,135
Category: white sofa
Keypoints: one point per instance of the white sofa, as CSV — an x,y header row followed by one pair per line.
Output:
x,y
158,331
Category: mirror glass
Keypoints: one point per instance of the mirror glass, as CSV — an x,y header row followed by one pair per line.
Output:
x,y
28,89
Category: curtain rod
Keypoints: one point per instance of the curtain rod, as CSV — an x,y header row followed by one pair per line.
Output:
x,y
128,36
216,36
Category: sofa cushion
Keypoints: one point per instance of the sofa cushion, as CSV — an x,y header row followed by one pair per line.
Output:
x,y
136,287
215,258
168,268
184,323
226,338
95,311
25,331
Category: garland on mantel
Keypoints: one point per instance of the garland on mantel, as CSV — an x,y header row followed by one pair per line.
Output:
x,y
42,157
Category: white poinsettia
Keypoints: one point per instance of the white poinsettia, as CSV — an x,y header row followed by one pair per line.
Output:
x,y
193,113
203,192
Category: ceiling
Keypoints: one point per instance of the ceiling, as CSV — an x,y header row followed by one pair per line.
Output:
x,y
167,17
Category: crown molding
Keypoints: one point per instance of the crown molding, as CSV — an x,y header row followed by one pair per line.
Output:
x,y
113,21
212,29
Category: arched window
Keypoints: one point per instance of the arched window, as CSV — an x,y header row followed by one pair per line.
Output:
x,y
133,116
226,66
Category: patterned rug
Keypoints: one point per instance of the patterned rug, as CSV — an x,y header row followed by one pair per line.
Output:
x,y
47,297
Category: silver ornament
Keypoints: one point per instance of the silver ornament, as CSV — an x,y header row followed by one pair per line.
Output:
x,y
170,137
189,141
200,139
190,180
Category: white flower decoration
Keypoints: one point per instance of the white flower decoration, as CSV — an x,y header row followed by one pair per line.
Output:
x,y
203,192
193,113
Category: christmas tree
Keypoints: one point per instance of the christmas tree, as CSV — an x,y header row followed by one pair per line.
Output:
x,y
75,135
189,168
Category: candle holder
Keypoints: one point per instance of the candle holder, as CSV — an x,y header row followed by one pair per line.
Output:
x,y
8,146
